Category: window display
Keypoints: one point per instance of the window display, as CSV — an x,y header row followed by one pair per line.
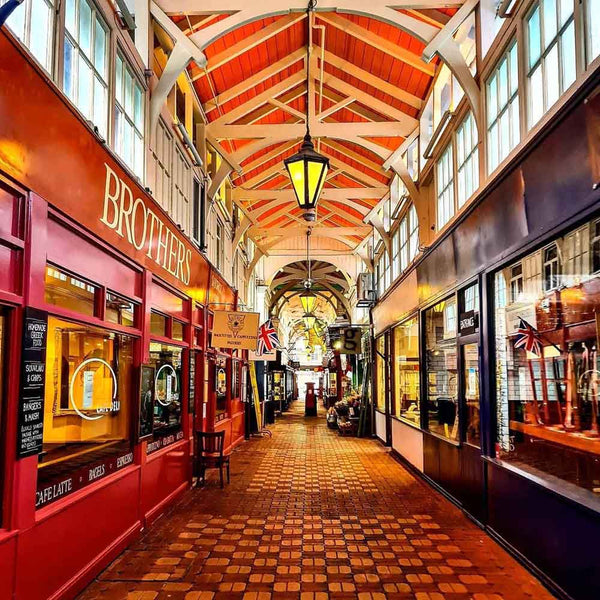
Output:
x,y
406,371
470,366
547,329
442,369
89,386
167,361
221,386
380,372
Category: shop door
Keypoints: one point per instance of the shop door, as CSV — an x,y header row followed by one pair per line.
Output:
x,y
472,470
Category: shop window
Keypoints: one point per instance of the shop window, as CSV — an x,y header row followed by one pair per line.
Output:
x,y
85,79
33,23
593,29
177,330
442,370
220,387
445,188
596,247
119,310
129,117
467,159
551,67
70,292
470,362
406,371
158,324
380,372
166,361
502,102
552,268
89,394
547,375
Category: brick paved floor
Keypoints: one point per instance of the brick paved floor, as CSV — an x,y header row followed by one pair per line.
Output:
x,y
310,515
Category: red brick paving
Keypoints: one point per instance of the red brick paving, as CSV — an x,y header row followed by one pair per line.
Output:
x,y
310,515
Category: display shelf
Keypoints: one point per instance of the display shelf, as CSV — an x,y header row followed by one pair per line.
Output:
x,y
577,440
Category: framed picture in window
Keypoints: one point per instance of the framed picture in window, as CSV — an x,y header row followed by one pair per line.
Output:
x,y
146,407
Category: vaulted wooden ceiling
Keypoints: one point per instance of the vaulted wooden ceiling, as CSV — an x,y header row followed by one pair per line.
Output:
x,y
367,84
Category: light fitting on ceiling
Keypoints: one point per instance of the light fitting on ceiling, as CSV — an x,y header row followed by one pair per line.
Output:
x,y
307,168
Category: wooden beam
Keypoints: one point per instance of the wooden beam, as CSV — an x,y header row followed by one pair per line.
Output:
x,y
375,82
333,109
355,156
376,41
257,101
254,80
358,193
252,41
288,109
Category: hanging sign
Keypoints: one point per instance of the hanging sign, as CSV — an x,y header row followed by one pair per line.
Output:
x,y
351,340
235,329
468,322
33,380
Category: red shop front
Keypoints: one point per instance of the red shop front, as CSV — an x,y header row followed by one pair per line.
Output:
x,y
103,322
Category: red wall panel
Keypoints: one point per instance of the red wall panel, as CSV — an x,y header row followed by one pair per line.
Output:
x,y
8,549
67,539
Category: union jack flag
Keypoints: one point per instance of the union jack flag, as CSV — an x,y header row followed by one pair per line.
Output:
x,y
267,338
528,338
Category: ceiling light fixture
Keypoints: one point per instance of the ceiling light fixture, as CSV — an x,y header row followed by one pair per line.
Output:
x,y
307,168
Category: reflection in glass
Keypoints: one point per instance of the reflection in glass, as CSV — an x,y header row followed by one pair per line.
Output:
x,y
406,370
88,392
70,292
167,362
471,389
119,310
441,365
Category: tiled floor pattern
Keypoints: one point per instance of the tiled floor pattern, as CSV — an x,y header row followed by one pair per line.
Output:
x,y
310,515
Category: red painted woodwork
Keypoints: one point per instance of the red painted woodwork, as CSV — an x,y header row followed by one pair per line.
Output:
x,y
53,154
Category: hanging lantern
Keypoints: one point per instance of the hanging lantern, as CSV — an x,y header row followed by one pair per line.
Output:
x,y
308,300
307,170
309,321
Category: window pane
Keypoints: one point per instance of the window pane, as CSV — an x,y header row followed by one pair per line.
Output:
x,y
85,28
89,394
69,292
546,403
566,10
503,84
568,56
99,105
533,30
84,89
536,96
71,17
514,70
549,11
119,80
69,70
41,31
492,100
406,371
471,387
441,369
16,21
552,75
158,324
119,310
100,50
139,107
593,28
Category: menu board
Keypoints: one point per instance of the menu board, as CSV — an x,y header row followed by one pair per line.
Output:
x,y
30,432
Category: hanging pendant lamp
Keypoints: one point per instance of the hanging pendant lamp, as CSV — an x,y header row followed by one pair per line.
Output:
x,y
308,298
307,168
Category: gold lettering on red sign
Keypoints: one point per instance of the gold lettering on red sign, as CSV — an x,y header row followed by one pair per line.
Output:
x,y
143,229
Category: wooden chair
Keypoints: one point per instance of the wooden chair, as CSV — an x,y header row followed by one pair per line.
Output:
x,y
210,455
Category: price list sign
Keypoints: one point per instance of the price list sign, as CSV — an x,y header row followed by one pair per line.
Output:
x,y
33,378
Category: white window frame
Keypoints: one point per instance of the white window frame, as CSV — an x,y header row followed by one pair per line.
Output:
x,y
517,284
445,197
546,51
555,268
100,121
505,116
21,24
592,24
467,160
136,159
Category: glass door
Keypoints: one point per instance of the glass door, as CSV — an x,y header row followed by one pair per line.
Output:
x,y
470,381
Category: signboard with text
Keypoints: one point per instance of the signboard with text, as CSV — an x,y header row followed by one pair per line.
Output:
x,y
30,431
235,329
